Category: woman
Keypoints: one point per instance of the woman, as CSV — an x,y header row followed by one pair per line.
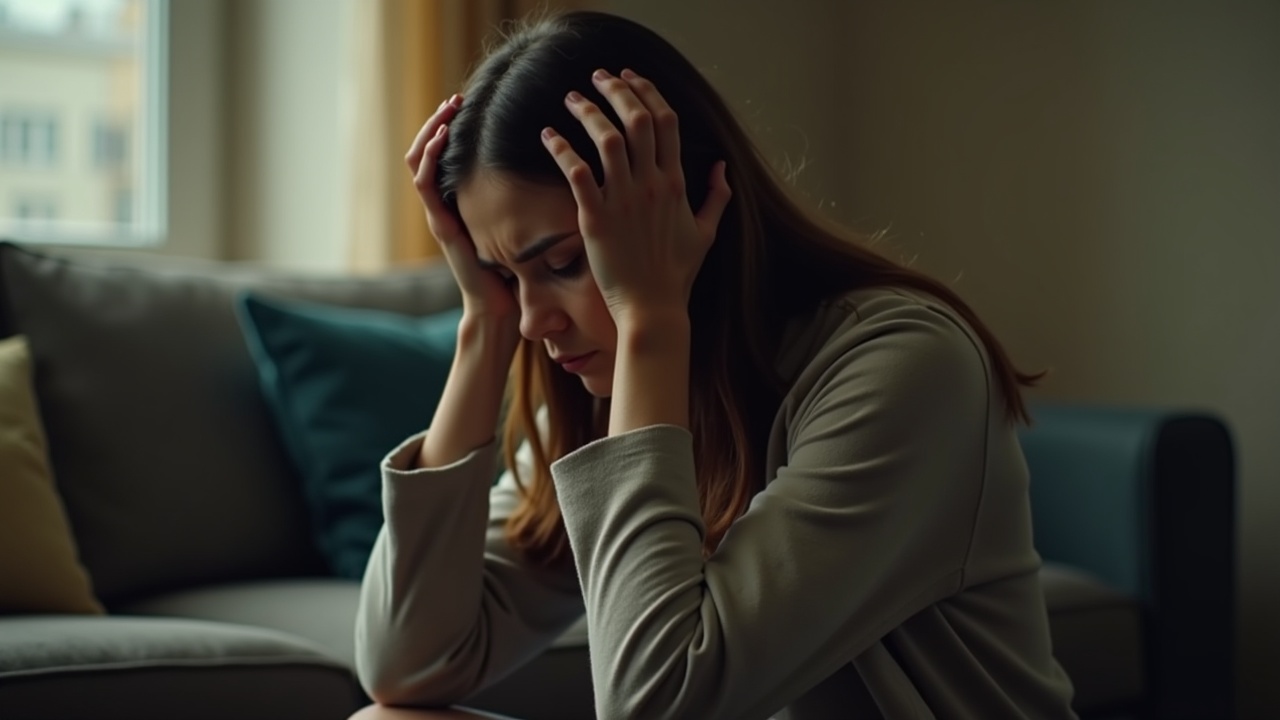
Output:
x,y
777,471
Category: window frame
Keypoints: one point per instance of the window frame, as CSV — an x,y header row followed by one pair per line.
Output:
x,y
150,155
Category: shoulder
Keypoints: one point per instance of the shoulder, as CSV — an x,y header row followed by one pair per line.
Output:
x,y
899,355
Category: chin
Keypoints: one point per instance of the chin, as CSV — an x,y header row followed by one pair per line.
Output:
x,y
597,386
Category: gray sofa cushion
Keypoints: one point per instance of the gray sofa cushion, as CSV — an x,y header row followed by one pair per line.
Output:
x,y
1097,637
162,447
322,611
140,668
554,686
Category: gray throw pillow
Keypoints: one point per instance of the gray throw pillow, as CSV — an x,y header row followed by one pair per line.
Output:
x,y
162,446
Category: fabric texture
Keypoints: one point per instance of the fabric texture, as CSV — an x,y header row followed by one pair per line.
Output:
x,y
346,385
319,610
144,373
40,571
119,667
886,569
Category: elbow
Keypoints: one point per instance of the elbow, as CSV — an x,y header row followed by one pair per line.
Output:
x,y
399,690
382,684
387,690
394,680
387,684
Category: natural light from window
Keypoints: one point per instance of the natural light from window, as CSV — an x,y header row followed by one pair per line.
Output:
x,y
82,131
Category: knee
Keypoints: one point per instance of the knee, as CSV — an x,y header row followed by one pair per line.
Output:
x,y
383,712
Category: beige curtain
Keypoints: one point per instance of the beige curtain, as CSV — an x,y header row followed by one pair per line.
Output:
x,y
409,55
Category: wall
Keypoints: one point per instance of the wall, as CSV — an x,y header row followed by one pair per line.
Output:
x,y
777,90
1101,180
196,132
286,115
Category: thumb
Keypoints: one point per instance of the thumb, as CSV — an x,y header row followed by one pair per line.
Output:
x,y
708,217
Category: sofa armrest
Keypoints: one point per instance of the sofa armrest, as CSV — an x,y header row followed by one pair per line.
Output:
x,y
1144,498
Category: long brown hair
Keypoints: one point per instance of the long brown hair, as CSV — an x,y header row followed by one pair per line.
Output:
x,y
772,261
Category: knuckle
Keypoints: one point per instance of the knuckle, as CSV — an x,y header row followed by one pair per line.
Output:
x,y
639,121
666,118
579,174
424,176
612,141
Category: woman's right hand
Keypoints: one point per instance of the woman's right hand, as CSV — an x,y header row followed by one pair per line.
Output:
x,y
485,296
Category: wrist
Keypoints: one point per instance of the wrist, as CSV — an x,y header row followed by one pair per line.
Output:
x,y
484,336
651,372
476,324
652,328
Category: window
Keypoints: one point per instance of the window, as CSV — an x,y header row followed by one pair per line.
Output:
x,y
29,209
82,133
28,138
110,144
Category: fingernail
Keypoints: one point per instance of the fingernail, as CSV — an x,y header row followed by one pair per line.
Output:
x,y
548,133
600,75
628,75
574,97
453,100
440,130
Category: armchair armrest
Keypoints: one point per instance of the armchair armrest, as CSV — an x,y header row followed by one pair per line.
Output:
x,y
1144,499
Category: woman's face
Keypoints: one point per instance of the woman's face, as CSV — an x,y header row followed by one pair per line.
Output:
x,y
528,233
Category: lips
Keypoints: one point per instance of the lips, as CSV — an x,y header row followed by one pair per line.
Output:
x,y
567,358
574,363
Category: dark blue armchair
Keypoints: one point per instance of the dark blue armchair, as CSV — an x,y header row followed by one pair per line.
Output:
x,y
1134,513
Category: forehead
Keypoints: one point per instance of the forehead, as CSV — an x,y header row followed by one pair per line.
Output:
x,y
503,212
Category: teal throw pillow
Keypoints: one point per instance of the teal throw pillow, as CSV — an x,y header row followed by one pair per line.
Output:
x,y
346,386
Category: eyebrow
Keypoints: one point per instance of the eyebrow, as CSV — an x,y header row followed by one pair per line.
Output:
x,y
531,252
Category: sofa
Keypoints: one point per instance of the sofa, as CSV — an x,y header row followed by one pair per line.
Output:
x,y
191,522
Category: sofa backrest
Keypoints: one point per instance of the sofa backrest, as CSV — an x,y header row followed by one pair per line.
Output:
x,y
162,447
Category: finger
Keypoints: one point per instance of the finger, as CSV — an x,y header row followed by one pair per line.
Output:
x,y
438,215
443,114
708,217
666,125
609,140
585,190
637,121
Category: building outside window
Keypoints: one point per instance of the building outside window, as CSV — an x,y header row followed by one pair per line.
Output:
x,y
82,137
110,144
33,209
28,138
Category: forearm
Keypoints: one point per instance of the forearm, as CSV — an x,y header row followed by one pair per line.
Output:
x,y
651,374
447,604
423,588
467,413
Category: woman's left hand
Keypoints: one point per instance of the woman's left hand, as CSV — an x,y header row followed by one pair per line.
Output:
x,y
643,241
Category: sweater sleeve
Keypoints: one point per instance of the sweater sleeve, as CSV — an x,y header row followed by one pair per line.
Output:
x,y
447,607
866,523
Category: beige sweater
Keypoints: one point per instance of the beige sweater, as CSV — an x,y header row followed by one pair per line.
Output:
x,y
885,571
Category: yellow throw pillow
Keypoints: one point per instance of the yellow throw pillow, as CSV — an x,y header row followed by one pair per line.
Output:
x,y
39,569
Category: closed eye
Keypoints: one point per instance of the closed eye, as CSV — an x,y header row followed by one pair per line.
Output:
x,y
571,269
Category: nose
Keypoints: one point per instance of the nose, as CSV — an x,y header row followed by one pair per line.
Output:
x,y
540,314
